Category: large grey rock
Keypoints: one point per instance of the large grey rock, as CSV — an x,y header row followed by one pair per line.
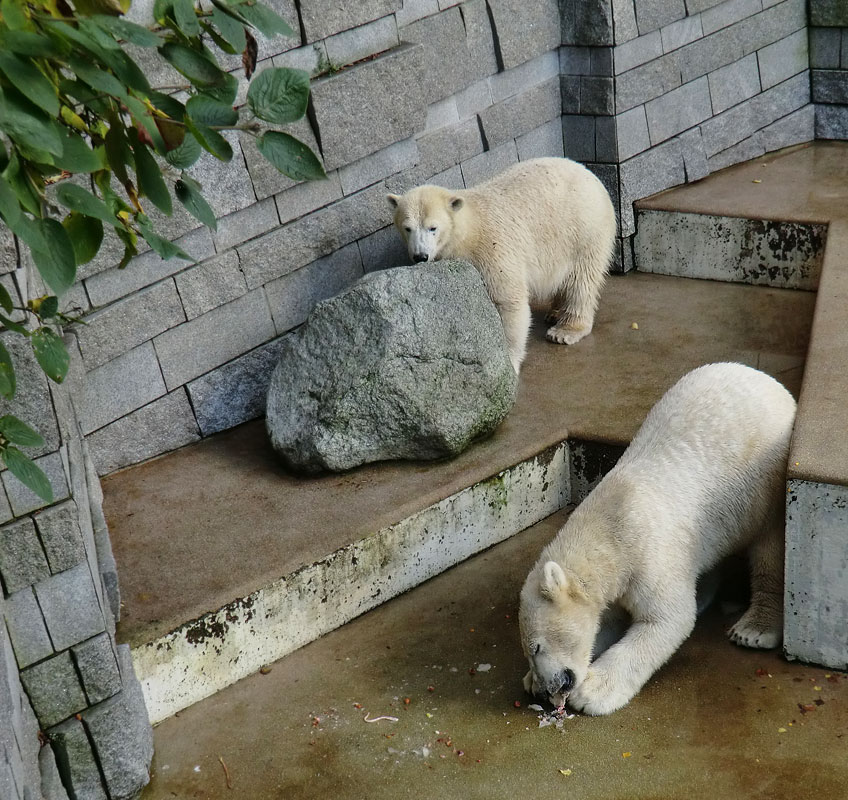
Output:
x,y
408,363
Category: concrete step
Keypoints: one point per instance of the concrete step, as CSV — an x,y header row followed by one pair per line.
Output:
x,y
228,563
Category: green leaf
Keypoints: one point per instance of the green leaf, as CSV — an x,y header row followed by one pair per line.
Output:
x,y
51,353
29,80
23,188
11,325
78,199
31,44
97,34
195,204
56,263
210,140
19,432
167,104
231,29
162,246
185,17
150,181
5,299
7,373
128,31
142,115
210,112
290,156
86,235
186,154
130,240
28,473
49,305
77,156
118,152
9,207
279,94
96,78
196,67
23,120
128,71
226,93
265,20
13,14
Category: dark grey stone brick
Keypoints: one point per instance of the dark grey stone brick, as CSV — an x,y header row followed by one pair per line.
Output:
x,y
60,534
588,22
830,13
830,86
596,95
832,122
120,731
578,137
70,606
825,44
601,61
323,18
76,762
606,146
569,88
27,630
525,30
22,560
54,689
653,14
523,112
98,668
371,105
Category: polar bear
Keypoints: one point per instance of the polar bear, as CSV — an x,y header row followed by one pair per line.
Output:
x,y
703,477
543,231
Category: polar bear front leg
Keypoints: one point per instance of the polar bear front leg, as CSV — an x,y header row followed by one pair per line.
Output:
x,y
615,677
761,625
515,317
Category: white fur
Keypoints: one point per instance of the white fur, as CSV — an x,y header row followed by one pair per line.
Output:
x,y
704,477
542,231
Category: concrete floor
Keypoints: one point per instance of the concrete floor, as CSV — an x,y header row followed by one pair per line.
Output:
x,y
717,721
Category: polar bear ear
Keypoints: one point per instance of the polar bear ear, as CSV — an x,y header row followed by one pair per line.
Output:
x,y
554,581
393,199
456,203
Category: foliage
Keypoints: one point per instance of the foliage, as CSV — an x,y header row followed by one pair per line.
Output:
x,y
86,142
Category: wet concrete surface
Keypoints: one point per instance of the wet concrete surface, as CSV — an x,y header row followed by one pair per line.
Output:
x,y
196,529
716,721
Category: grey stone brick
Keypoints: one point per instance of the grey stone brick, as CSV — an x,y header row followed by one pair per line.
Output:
x,y
278,44
22,559
569,86
383,249
522,113
323,18
120,386
374,168
710,53
242,225
235,392
632,132
694,159
226,185
546,140
293,296
304,198
792,129
650,172
474,99
206,342
681,33
832,122
749,148
441,113
54,689
783,59
654,14
734,83
165,424
828,12
454,54
5,508
61,537
8,251
514,81
589,23
52,787
98,668
412,10
830,86
578,137
76,760
771,25
27,630
486,165
357,43
129,322
637,51
444,148
371,105
120,731
825,45
525,30
647,82
574,60
596,95
696,6
624,20
678,110
22,500
208,285
312,58
70,606
724,14
147,269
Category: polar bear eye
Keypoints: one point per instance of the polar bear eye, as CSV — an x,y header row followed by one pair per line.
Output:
x,y
407,228
536,649
432,230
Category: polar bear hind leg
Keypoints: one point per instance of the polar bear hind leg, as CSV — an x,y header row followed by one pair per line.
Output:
x,y
761,625
574,304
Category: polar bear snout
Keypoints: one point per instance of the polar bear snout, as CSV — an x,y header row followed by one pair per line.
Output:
x,y
419,257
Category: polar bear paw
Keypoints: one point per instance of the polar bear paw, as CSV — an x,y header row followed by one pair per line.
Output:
x,y
598,694
753,631
566,334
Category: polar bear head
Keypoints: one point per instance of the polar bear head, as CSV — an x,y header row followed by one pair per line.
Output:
x,y
425,217
558,623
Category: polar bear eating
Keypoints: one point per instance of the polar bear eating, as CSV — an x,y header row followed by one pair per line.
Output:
x,y
541,232
704,477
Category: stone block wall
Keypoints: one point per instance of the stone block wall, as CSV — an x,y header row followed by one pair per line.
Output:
x,y
829,67
72,717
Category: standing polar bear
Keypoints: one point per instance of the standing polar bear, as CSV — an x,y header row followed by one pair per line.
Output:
x,y
541,232
703,478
